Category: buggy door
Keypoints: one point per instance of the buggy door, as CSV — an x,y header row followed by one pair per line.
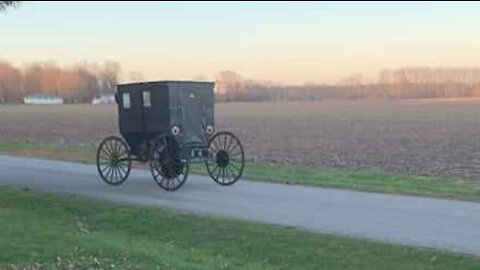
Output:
x,y
130,112
155,110
146,99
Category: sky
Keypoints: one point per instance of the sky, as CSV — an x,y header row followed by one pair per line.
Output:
x,y
287,42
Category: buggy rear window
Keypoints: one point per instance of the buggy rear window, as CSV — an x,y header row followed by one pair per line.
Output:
x,y
126,100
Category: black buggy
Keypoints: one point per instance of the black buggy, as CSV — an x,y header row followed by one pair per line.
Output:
x,y
169,124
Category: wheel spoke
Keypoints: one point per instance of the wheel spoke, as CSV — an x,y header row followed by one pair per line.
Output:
x,y
108,174
107,153
238,158
214,170
213,150
112,174
168,183
123,154
224,144
107,171
112,147
160,173
105,148
123,163
103,161
109,148
235,162
116,174
215,167
235,166
115,148
226,173
123,169
177,180
223,174
120,149
233,148
234,173
155,173
218,173
161,181
217,148
119,174
230,143
104,169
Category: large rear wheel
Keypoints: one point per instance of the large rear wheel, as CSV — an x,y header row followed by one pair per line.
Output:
x,y
113,160
168,166
226,158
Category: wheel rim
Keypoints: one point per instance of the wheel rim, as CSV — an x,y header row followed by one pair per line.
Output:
x,y
168,169
226,162
113,161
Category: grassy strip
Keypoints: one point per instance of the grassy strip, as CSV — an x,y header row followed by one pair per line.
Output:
x,y
52,231
356,180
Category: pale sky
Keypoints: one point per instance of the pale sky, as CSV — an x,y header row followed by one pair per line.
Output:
x,y
292,42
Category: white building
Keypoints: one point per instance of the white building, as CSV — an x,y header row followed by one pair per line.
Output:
x,y
104,99
43,99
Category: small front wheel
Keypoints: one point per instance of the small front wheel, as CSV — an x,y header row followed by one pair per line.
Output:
x,y
113,160
226,158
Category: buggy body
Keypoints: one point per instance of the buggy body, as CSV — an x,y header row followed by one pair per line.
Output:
x,y
169,124
184,109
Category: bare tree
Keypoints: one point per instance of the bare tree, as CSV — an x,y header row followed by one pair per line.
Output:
x,y
108,76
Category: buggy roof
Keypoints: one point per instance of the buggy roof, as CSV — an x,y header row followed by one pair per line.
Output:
x,y
165,82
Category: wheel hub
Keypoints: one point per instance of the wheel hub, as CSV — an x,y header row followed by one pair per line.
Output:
x,y
169,166
222,158
115,160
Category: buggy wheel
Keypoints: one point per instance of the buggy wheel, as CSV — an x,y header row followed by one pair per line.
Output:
x,y
113,160
168,166
226,158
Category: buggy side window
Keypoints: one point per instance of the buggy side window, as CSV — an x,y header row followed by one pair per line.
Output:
x,y
146,99
126,100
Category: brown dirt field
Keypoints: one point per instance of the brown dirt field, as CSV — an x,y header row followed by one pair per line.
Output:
x,y
412,137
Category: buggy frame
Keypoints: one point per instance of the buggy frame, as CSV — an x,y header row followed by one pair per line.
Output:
x,y
169,125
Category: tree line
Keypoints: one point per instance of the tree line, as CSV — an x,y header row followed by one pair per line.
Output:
x,y
79,83
405,83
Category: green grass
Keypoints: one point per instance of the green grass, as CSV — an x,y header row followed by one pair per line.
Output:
x,y
356,180
59,232
59,152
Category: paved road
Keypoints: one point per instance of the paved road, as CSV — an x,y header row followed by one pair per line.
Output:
x,y
443,224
